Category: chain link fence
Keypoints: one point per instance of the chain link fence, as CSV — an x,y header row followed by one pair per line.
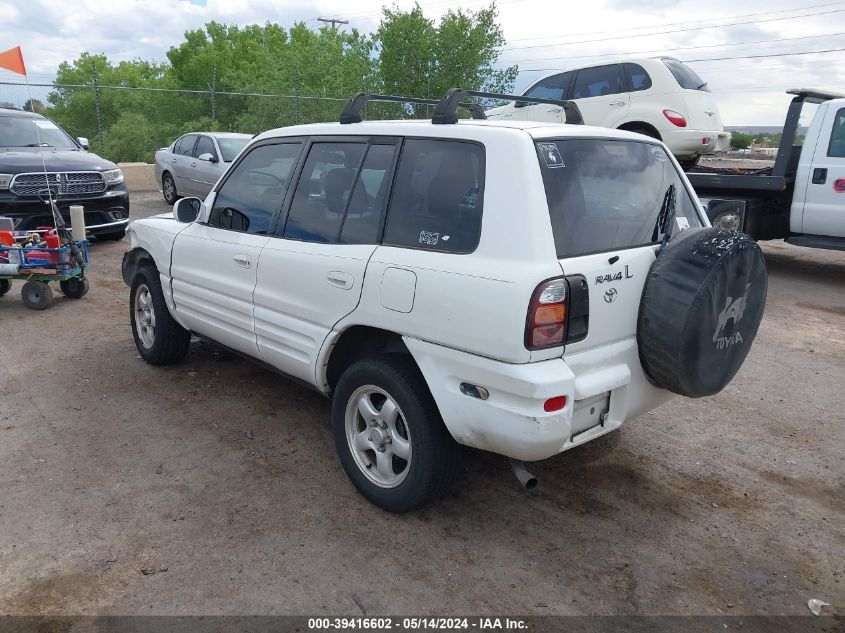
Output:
x,y
128,124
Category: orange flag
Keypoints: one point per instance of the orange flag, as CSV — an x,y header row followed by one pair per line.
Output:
x,y
12,59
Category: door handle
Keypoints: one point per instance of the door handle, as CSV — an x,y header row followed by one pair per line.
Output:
x,y
615,103
340,279
243,260
819,175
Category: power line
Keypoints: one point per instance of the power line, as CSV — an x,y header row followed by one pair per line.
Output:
x,y
654,26
660,50
697,28
714,59
717,59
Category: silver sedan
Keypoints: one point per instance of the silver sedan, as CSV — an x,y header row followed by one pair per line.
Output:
x,y
193,163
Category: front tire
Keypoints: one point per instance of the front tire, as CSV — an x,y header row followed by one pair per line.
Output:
x,y
389,435
168,188
5,286
37,295
159,338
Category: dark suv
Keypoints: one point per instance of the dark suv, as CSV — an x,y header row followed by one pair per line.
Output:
x,y
28,144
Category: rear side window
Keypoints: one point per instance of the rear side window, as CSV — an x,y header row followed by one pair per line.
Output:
x,y
836,149
638,78
437,199
607,195
323,191
598,81
553,87
363,216
685,76
252,193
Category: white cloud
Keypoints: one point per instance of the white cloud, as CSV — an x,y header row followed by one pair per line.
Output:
x,y
750,91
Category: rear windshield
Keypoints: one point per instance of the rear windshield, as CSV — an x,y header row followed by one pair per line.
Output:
x,y
606,195
685,76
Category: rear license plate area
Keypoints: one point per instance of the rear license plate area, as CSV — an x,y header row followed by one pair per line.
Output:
x,y
589,413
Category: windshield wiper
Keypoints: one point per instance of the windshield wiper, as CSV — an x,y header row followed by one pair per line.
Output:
x,y
666,216
37,145
704,85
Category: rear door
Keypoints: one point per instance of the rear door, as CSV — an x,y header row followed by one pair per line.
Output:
x,y
180,163
601,94
824,202
205,172
311,272
606,199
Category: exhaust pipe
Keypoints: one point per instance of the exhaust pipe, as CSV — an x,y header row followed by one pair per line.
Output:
x,y
528,481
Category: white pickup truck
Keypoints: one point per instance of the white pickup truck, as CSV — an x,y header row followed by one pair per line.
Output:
x,y
507,285
802,197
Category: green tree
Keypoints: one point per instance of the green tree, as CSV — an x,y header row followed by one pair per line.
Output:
x,y
256,77
417,58
34,105
739,140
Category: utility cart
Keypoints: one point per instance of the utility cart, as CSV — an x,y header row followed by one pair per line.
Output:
x,y
38,266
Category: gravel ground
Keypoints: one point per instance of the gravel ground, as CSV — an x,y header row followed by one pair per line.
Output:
x,y
211,487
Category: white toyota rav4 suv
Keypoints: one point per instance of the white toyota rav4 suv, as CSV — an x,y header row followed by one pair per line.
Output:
x,y
507,285
659,97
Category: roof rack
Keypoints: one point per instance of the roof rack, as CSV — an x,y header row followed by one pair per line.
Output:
x,y
352,110
447,107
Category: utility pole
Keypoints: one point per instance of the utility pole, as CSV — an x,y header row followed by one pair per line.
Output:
x,y
333,21
213,93
97,105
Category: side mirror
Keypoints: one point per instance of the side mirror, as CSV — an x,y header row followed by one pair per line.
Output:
x,y
211,158
187,210
83,142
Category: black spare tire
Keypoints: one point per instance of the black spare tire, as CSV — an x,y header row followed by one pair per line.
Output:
x,y
702,304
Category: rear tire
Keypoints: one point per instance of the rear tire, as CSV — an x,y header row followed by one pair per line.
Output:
x,y
159,338
74,288
389,435
5,286
168,188
37,295
688,163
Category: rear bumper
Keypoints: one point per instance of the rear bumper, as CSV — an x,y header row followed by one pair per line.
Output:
x,y
106,213
685,143
512,421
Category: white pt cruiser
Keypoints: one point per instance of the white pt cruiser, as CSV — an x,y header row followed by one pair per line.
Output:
x,y
477,283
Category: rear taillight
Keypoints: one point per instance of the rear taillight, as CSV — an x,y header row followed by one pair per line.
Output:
x,y
546,323
675,118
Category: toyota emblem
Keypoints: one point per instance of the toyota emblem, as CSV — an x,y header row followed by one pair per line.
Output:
x,y
610,295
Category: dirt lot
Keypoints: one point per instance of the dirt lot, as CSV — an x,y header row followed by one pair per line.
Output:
x,y
221,478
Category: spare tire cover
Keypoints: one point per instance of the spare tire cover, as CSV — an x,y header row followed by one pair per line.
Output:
x,y
702,304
